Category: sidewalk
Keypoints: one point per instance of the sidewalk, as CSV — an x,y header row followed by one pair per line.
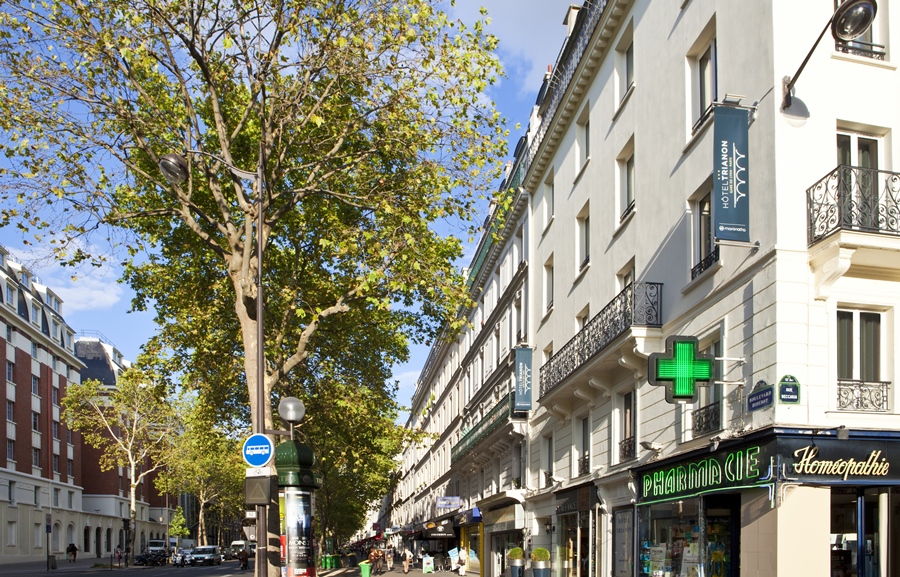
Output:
x,y
83,565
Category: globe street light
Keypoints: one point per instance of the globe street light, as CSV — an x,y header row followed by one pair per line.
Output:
x,y
850,21
176,170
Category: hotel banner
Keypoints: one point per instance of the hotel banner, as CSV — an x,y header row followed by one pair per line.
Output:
x,y
523,379
731,190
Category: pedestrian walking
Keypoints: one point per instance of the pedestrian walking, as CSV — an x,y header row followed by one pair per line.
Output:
x,y
71,552
379,561
407,557
389,558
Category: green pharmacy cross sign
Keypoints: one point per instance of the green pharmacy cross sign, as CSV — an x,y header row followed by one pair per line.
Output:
x,y
680,368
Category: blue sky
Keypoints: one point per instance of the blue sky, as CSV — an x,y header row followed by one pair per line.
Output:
x,y
530,33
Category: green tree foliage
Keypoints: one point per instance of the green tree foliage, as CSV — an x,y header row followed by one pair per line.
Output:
x,y
206,463
133,424
178,524
366,119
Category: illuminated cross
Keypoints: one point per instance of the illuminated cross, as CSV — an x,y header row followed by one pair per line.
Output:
x,y
680,368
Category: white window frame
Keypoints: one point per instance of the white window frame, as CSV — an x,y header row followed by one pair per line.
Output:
x,y
583,248
702,63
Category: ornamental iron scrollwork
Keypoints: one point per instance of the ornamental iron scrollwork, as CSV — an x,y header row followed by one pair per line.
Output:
x,y
863,396
854,198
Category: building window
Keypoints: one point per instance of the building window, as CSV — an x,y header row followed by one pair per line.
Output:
x,y
35,313
702,61
35,385
9,333
10,371
859,358
35,421
865,45
629,66
582,318
10,411
56,497
706,417
626,181
56,463
549,194
36,458
34,350
548,285
10,294
54,396
70,468
10,450
706,253
37,496
859,183
628,427
583,250
70,503
584,458
583,137
548,461
69,436
54,426
12,492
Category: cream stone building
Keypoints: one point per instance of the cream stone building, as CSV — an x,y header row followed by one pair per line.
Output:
x,y
621,257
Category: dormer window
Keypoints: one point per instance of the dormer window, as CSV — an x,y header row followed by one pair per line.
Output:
x,y
35,313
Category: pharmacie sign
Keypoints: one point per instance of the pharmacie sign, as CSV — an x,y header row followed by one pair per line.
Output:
x,y
741,467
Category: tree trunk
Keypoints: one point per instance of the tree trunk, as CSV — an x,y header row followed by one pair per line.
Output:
x,y
201,524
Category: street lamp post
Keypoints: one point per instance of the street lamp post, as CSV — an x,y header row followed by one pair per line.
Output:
x,y
175,169
850,21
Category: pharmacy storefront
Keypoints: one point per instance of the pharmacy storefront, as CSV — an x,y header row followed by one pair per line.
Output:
x,y
709,512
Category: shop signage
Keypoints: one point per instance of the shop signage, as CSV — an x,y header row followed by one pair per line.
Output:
x,y
468,517
506,519
447,502
523,379
731,192
441,530
789,390
579,499
763,396
835,461
680,369
746,466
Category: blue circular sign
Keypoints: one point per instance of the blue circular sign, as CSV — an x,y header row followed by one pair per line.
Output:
x,y
258,450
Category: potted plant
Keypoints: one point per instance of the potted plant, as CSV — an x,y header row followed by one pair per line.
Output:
x,y
540,562
515,559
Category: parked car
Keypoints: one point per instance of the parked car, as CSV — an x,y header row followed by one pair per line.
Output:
x,y
206,555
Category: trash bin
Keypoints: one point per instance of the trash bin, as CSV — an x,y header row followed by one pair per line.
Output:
x,y
365,569
51,560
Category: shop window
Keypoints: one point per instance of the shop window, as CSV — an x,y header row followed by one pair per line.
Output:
x,y
623,542
863,511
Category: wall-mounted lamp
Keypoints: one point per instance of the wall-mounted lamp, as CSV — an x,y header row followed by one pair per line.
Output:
x,y
842,433
549,527
714,443
649,446
850,21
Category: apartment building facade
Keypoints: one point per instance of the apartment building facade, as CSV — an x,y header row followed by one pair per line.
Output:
x,y
52,491
781,461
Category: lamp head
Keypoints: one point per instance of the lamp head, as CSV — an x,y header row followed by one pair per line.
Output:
x,y
291,409
852,19
174,167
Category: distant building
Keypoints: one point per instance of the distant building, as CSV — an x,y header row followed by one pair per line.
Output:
x,y
48,477
786,461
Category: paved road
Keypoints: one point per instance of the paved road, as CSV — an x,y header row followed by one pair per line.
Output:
x,y
91,567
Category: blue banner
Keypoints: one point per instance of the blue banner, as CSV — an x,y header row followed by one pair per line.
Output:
x,y
731,192
523,379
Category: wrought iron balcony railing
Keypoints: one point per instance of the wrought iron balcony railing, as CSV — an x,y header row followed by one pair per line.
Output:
x,y
627,449
707,262
707,419
854,198
863,396
639,304
495,418
584,464
858,48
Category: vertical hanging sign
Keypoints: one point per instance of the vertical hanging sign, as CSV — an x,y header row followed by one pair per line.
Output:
x,y
523,379
731,192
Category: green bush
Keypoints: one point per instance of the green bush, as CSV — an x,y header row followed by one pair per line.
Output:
x,y
515,553
540,554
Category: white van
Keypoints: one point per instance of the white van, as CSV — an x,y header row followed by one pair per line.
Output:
x,y
239,545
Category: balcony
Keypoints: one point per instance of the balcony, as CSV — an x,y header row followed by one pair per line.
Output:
x,y
584,464
706,420
853,223
855,199
639,304
499,415
627,450
863,396
859,48
706,263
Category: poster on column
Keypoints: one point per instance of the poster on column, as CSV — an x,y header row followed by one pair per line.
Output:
x,y
296,531
731,176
